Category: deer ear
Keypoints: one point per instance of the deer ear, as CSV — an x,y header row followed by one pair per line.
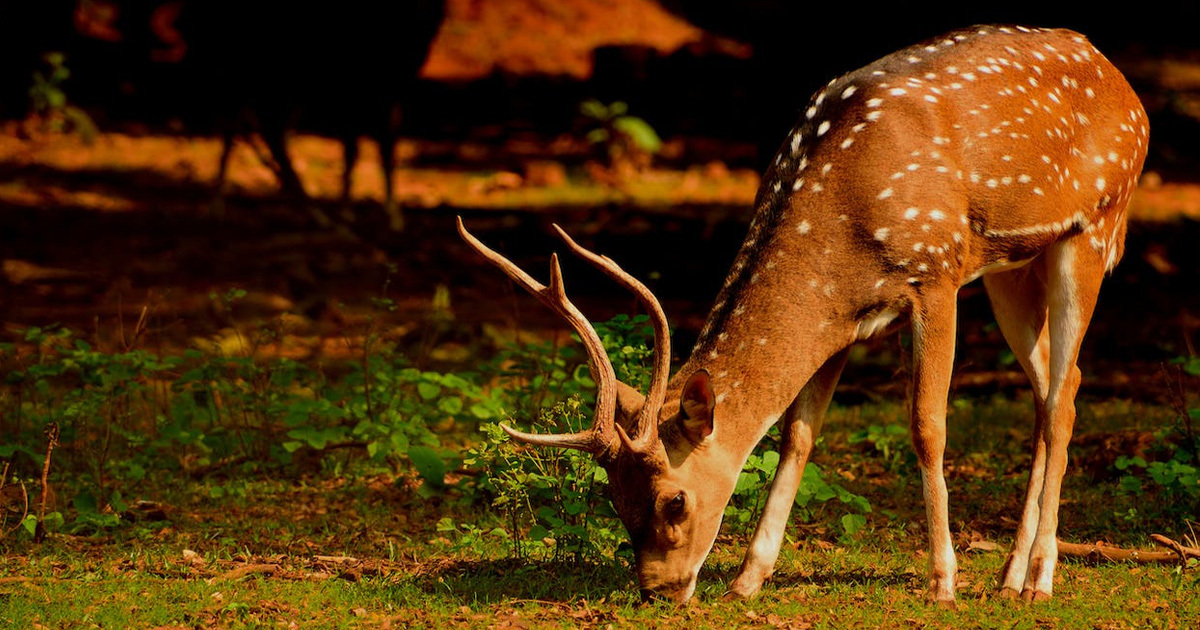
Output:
x,y
696,406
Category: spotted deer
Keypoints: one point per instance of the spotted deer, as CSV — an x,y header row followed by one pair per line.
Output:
x,y
1007,153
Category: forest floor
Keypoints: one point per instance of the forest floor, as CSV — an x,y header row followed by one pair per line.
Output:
x,y
345,549
97,234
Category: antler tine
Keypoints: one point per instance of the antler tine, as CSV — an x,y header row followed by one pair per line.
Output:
x,y
646,426
601,436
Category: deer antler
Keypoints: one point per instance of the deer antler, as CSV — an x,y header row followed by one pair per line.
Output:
x,y
600,439
645,427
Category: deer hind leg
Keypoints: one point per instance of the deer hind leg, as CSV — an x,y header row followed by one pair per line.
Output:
x,y
934,325
802,424
1019,302
1052,304
1073,275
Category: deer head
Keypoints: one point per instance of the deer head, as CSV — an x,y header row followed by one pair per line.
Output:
x,y
670,502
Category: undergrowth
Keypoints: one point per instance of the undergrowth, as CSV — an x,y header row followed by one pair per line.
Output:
x,y
128,419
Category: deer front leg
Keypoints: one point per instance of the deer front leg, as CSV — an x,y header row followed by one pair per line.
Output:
x,y
802,424
933,361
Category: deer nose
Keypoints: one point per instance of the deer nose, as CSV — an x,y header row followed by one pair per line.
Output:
x,y
665,594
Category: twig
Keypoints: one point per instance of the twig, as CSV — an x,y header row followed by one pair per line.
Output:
x,y
24,510
336,559
200,471
540,602
138,328
39,533
1185,553
244,570
1100,552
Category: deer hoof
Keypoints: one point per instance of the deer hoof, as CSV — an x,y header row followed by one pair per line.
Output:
x,y
1034,595
1008,593
741,592
941,604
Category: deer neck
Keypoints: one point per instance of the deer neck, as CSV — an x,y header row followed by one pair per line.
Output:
x,y
781,314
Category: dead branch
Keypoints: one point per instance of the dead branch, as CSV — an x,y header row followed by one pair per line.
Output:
x,y
1184,552
24,506
39,533
1101,552
244,570
336,559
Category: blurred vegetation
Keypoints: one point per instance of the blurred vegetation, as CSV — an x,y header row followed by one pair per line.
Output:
x,y
49,103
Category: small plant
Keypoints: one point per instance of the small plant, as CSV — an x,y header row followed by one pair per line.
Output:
x,y
551,501
1173,473
48,99
815,491
1175,476
889,442
628,142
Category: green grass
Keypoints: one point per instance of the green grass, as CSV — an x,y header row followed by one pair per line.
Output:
x,y
405,573
813,589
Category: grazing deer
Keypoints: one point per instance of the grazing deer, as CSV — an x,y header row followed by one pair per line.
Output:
x,y
1006,153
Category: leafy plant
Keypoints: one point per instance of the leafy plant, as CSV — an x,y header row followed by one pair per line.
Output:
x,y
127,415
889,442
814,492
48,99
1172,473
551,501
627,141
1175,476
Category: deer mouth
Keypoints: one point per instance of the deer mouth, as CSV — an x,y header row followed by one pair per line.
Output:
x,y
677,592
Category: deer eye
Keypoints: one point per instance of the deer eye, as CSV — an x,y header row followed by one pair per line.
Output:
x,y
675,506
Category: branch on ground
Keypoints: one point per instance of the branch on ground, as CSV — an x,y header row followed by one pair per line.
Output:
x,y
1100,552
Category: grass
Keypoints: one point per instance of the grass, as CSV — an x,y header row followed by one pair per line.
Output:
x,y
842,588
360,550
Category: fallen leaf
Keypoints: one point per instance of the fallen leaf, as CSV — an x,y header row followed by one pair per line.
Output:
x,y
983,545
